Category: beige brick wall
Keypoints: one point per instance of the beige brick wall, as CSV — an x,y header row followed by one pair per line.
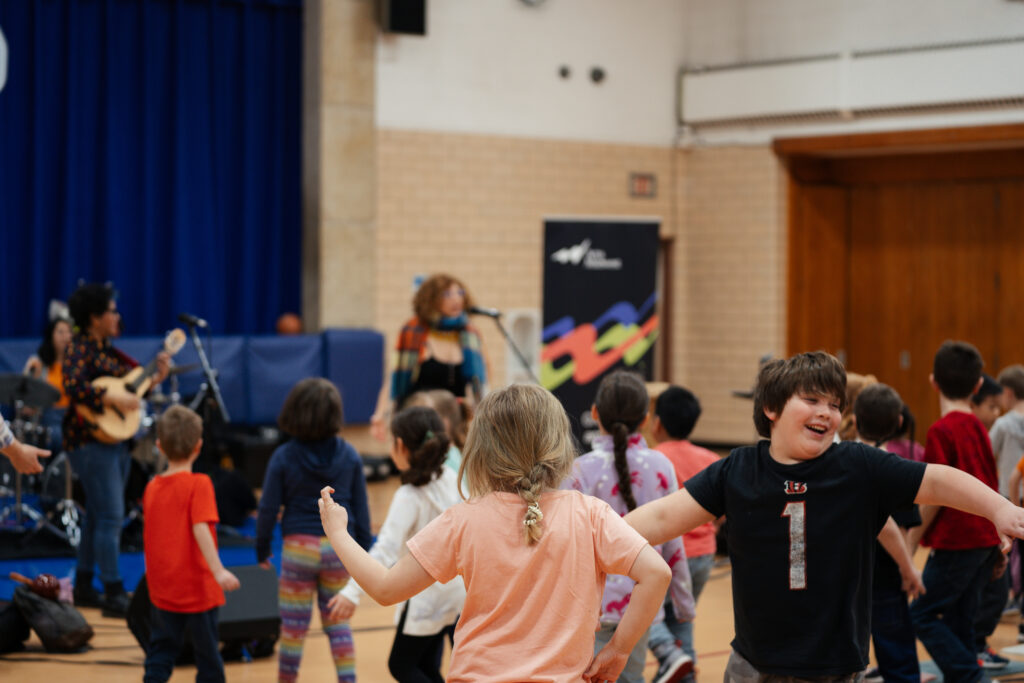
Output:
x,y
733,254
474,206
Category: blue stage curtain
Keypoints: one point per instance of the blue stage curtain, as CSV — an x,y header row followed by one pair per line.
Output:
x,y
155,144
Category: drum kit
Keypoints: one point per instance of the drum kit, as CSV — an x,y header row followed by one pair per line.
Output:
x,y
33,503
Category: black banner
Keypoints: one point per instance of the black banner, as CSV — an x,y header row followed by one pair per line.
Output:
x,y
600,309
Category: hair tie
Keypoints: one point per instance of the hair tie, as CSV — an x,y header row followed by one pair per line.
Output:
x,y
537,514
428,436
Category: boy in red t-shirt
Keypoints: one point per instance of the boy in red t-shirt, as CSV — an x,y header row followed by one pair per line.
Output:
x,y
185,576
676,411
965,547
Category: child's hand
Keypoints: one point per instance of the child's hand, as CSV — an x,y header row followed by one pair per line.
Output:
x,y
227,580
606,665
913,585
334,517
1009,521
340,607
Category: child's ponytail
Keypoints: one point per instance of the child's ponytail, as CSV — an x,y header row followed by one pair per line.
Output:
x,y
422,432
530,488
622,405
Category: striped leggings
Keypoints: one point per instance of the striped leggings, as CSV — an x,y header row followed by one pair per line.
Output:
x,y
309,565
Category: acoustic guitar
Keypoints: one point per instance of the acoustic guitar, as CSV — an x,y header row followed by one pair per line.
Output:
x,y
115,425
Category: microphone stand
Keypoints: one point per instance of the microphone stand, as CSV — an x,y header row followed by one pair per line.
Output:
x,y
211,377
512,345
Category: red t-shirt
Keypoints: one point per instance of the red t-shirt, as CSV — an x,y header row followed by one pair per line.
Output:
x,y
960,440
688,460
178,577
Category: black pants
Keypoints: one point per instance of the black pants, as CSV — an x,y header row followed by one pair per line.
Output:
x,y
165,640
415,659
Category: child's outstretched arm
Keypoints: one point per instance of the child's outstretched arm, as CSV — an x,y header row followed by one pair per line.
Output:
x,y
652,577
227,580
944,485
668,517
387,586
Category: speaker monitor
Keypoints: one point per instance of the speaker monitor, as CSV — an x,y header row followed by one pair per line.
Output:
x,y
249,614
403,16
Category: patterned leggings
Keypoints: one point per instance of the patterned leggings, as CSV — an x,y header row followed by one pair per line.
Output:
x,y
308,566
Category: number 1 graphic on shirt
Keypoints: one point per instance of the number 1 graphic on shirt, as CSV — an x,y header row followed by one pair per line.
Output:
x,y
797,545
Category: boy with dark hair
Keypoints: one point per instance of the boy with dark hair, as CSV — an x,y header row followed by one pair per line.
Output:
x,y
987,402
965,547
183,571
676,411
878,418
804,513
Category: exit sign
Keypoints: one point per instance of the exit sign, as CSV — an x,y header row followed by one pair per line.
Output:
x,y
643,185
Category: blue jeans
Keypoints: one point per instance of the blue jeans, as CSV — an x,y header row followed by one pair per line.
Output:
x,y
167,636
893,634
634,669
944,616
103,470
991,604
671,630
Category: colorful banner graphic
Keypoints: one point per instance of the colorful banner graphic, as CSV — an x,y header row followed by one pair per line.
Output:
x,y
600,309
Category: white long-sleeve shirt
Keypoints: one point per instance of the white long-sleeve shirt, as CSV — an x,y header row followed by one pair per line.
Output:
x,y
412,508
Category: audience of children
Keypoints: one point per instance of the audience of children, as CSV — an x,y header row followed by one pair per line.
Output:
x,y
625,473
533,558
315,456
804,513
676,411
418,449
184,573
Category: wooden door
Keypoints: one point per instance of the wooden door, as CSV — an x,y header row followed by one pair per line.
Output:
x,y
925,264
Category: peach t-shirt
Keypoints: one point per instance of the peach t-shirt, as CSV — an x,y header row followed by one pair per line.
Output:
x,y
531,611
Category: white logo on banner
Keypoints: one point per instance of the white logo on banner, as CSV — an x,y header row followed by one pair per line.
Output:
x,y
3,60
593,259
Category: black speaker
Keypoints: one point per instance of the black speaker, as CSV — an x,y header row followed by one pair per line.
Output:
x,y
403,16
248,619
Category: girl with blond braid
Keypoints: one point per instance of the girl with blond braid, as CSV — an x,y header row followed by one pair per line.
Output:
x,y
625,473
533,558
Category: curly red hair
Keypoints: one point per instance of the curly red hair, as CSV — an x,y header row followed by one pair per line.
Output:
x,y
426,304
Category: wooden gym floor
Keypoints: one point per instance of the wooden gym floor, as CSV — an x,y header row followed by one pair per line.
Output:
x,y
115,656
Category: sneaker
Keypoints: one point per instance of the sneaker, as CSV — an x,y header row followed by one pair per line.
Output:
x,y
872,675
674,668
988,659
116,601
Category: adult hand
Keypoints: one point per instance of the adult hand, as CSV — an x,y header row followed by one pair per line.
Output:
x,y
121,400
378,429
340,608
25,458
163,367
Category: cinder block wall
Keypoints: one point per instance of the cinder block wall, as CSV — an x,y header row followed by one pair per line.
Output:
x,y
474,205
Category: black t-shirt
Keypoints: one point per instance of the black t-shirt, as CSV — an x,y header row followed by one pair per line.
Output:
x,y
802,543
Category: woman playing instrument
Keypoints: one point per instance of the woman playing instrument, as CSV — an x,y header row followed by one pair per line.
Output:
x,y
101,467
436,349
48,363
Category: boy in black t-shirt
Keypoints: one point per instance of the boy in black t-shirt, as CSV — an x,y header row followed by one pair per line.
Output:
x,y
803,514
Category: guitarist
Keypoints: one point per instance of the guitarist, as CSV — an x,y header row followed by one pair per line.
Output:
x,y
101,467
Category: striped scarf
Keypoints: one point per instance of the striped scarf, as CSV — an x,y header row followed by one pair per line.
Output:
x,y
412,344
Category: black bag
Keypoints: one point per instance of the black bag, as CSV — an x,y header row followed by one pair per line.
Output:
x,y
60,626
13,629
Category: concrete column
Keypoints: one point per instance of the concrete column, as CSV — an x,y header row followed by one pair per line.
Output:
x,y
339,184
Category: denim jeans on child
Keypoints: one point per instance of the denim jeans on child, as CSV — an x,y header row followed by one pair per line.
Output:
x,y
944,616
670,630
893,634
167,636
103,470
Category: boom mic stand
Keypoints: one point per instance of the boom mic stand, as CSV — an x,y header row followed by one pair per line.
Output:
x,y
211,377
515,349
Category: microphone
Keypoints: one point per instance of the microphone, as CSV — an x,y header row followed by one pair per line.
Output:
x,y
192,320
481,310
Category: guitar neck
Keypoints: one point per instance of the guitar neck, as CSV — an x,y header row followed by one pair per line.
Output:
x,y
147,371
